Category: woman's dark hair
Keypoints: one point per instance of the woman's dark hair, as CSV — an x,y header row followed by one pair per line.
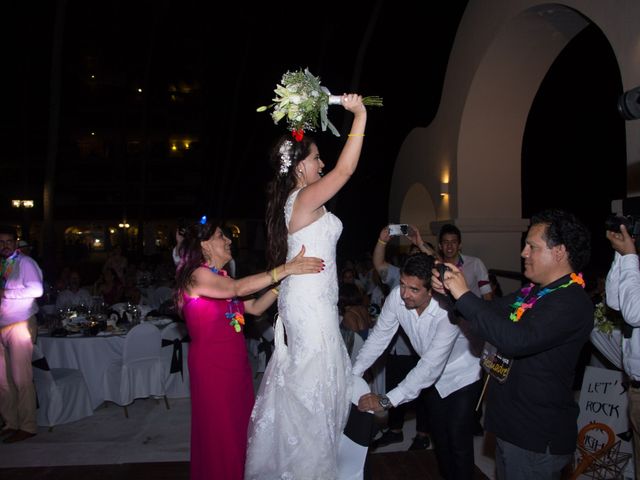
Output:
x,y
419,265
563,228
191,256
278,191
348,295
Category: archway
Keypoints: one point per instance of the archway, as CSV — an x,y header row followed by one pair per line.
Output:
x,y
501,55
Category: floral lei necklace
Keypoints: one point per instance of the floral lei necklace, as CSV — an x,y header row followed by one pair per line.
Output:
x,y
520,306
6,266
237,319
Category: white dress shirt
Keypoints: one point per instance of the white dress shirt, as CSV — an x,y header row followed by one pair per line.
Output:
x,y
475,274
445,359
23,286
623,293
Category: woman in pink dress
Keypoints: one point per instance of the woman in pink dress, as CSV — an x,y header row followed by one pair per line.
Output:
x,y
221,386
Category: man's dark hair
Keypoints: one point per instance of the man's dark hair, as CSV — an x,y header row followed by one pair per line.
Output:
x,y
563,228
419,265
449,229
7,230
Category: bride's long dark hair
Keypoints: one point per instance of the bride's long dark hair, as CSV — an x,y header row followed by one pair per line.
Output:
x,y
278,190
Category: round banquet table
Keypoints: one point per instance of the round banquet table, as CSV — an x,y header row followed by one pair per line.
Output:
x,y
92,355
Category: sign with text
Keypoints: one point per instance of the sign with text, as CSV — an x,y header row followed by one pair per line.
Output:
x,y
603,399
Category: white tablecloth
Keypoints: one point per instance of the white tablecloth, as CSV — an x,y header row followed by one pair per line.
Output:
x,y
609,344
92,356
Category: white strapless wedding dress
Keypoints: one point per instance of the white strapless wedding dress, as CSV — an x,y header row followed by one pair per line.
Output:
x,y
304,399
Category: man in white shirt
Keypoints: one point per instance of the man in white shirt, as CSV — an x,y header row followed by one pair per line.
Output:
x,y
474,271
445,363
73,296
402,358
623,293
20,285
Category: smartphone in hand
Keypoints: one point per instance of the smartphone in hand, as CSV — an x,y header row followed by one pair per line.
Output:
x,y
398,229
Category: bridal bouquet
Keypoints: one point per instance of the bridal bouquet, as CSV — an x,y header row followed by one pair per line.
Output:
x,y
304,102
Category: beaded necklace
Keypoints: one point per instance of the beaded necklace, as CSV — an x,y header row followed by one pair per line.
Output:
x,y
520,306
233,306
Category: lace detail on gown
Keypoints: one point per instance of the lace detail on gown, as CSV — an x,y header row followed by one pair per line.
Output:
x,y
304,399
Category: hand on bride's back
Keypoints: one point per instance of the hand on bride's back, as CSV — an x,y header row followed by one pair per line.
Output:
x,y
301,264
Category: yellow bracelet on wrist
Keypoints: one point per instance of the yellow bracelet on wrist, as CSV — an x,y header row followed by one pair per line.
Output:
x,y
382,242
355,135
274,275
275,291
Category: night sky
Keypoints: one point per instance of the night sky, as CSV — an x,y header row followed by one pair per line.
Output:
x,y
395,50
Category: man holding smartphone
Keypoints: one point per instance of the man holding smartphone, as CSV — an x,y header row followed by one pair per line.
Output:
x,y
541,330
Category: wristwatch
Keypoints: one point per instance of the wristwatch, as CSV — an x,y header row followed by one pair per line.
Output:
x,y
384,402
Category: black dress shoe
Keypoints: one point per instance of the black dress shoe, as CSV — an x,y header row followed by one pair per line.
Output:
x,y
19,436
420,442
387,438
7,432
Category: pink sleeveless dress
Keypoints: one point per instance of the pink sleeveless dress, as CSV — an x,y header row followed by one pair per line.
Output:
x,y
221,389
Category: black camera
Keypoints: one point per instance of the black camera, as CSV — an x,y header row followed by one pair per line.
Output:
x,y
441,269
631,223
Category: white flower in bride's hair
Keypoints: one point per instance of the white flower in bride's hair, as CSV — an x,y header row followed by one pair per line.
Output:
x,y
285,151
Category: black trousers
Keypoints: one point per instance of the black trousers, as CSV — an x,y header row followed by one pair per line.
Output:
x,y
397,367
452,420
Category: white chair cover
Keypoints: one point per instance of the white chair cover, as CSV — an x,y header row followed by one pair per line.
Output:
x,y
140,373
63,395
176,383
351,451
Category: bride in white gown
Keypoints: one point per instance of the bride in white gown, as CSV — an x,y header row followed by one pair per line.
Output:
x,y
304,399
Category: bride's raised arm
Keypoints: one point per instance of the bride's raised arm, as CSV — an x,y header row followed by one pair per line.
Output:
x,y
315,195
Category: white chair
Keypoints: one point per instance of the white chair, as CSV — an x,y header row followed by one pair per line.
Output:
x,y
355,439
139,374
174,359
160,295
62,393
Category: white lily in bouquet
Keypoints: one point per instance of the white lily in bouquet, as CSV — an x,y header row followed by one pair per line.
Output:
x,y
304,102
